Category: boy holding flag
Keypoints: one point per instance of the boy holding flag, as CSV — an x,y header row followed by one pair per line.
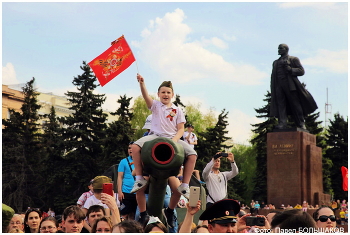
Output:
x,y
167,121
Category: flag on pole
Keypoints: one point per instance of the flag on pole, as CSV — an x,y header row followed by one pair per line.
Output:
x,y
113,61
344,172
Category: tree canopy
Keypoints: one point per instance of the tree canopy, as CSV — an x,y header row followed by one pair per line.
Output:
x,y
49,160
337,152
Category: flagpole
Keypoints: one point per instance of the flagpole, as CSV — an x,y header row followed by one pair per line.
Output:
x,y
137,67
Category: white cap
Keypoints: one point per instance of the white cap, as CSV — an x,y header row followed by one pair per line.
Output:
x,y
148,122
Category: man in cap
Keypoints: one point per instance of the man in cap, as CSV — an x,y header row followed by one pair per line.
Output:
x,y
216,180
222,216
190,137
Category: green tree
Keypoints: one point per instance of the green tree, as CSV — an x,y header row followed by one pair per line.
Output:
x,y
83,135
315,128
118,135
14,163
140,113
195,117
337,152
243,183
212,141
54,161
199,120
22,162
259,142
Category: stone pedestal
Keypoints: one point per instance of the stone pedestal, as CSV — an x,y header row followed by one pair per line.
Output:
x,y
294,169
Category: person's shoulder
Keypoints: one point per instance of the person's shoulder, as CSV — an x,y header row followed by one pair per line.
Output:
x,y
88,201
124,160
87,194
156,103
276,60
93,197
121,163
293,57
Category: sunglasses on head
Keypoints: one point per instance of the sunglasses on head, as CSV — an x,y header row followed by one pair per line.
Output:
x,y
33,209
324,218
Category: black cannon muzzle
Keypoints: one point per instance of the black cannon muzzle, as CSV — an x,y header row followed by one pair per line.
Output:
x,y
162,157
163,153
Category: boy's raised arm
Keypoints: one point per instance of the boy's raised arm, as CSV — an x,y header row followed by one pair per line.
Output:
x,y
144,91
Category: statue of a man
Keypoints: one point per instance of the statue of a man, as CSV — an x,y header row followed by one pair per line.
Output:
x,y
288,95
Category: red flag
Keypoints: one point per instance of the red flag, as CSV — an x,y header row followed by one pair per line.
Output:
x,y
113,61
344,172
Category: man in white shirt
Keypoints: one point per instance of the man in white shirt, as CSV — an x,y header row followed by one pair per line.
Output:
x,y
190,137
215,180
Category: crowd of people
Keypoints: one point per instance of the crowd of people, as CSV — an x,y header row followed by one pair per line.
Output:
x,y
226,215
126,210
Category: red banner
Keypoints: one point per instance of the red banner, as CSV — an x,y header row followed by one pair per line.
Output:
x,y
113,61
344,172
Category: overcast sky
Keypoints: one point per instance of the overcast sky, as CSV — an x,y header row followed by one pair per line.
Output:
x,y
217,54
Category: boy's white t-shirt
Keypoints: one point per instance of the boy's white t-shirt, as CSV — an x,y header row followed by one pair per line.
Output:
x,y
93,201
165,119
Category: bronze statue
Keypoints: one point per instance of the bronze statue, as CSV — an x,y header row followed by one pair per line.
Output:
x,y
288,95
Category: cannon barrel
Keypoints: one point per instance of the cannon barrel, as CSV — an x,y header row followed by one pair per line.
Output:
x,y
161,159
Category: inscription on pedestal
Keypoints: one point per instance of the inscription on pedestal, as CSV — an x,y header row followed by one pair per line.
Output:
x,y
283,149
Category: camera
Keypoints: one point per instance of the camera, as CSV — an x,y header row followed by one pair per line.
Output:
x,y
255,221
220,155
